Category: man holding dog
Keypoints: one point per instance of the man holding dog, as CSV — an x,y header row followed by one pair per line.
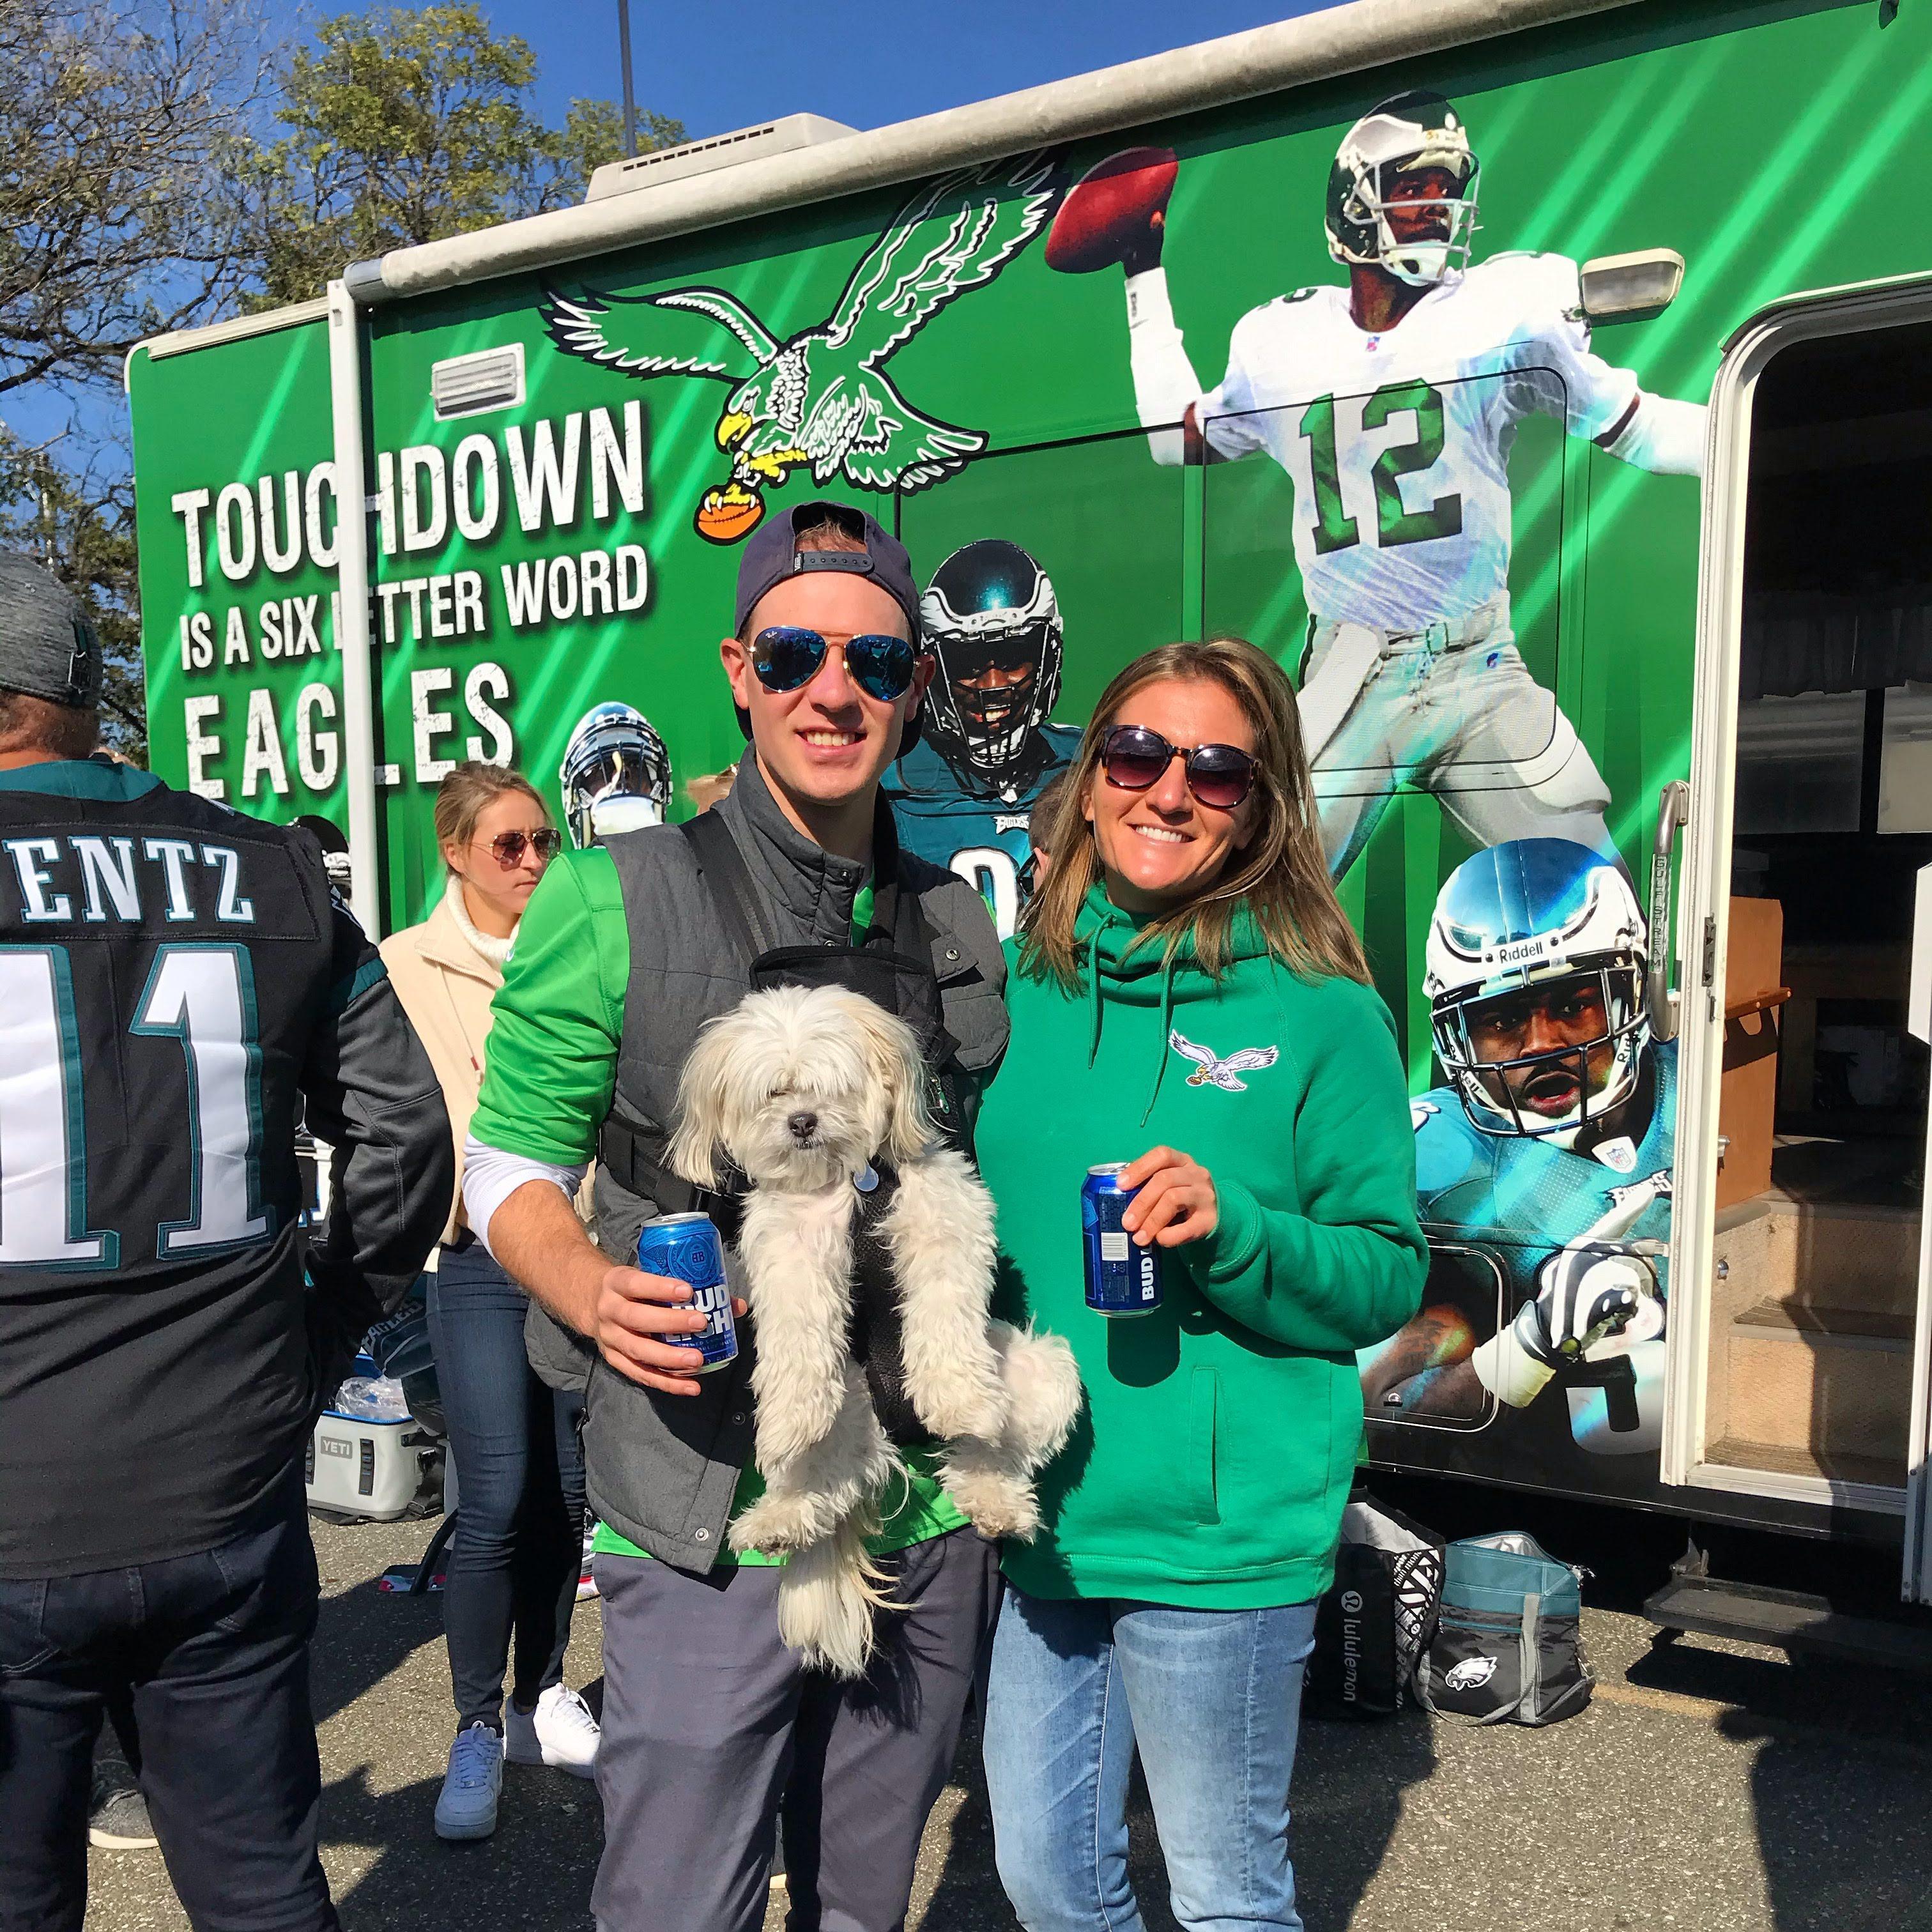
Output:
x,y
625,951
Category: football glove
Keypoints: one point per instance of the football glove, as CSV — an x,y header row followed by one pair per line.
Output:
x,y
1585,1294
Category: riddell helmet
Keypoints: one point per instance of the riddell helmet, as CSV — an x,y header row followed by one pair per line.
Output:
x,y
1405,132
616,774
990,607
1537,914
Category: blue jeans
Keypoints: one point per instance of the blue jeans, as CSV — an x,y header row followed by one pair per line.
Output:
x,y
1213,1698
519,1544
210,1652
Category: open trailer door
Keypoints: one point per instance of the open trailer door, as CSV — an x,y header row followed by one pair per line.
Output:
x,y
1801,1326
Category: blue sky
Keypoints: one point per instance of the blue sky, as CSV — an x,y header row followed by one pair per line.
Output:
x,y
716,68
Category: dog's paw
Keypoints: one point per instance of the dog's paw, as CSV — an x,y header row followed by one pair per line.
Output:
x,y
995,1503
1043,1386
778,1523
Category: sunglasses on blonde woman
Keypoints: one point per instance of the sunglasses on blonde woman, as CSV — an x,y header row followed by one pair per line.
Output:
x,y
1134,756
508,846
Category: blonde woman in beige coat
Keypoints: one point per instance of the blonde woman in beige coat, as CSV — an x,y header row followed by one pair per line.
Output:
x,y
516,1560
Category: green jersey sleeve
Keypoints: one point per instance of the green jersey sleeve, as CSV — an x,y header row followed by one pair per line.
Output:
x,y
551,1063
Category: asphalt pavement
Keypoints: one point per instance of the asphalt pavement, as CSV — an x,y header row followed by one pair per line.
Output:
x,y
1714,1786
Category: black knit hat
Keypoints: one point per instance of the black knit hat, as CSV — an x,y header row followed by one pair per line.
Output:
x,y
48,648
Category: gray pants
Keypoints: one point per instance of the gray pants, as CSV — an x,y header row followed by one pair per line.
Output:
x,y
709,1720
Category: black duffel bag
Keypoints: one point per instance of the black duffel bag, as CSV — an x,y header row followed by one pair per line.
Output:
x,y
1378,1618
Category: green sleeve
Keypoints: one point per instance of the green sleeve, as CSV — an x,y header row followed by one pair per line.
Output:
x,y
1347,1270
551,1065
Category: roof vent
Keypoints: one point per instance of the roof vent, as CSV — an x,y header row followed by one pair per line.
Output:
x,y
721,151
467,385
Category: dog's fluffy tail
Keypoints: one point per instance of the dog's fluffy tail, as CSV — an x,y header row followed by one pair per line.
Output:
x,y
991,1478
828,1596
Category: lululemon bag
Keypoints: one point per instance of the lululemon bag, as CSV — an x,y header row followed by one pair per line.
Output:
x,y
1371,1627
1508,1646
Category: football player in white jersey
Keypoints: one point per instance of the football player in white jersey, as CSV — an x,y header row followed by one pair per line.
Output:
x,y
1392,403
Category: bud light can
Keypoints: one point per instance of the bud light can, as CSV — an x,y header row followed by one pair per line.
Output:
x,y
1121,1278
687,1247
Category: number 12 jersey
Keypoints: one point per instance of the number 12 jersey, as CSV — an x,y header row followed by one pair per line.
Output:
x,y
1399,443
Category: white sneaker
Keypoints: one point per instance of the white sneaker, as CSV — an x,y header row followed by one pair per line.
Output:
x,y
560,1732
467,1807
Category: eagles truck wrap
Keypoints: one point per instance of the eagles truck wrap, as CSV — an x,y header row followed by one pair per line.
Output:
x,y
1534,379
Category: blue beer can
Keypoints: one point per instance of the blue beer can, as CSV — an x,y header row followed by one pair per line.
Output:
x,y
1121,1278
687,1247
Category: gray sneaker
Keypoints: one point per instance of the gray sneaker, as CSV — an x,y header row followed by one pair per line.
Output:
x,y
467,1807
117,1813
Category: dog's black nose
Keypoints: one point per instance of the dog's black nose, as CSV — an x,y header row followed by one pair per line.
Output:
x,y
803,1126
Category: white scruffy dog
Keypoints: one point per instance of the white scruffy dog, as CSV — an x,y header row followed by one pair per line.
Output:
x,y
802,1089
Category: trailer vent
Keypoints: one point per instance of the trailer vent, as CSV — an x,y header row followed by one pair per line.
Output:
x,y
721,150
467,385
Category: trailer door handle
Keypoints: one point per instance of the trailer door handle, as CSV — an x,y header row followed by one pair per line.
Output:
x,y
1673,807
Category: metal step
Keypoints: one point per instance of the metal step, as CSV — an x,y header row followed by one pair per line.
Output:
x,y
1788,1620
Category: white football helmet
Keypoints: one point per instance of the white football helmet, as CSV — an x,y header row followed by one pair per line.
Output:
x,y
1537,916
1407,131
616,774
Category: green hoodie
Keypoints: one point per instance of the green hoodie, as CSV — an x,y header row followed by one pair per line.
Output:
x,y
1215,1452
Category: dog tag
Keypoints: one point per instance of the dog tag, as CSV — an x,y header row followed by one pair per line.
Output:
x,y
865,1181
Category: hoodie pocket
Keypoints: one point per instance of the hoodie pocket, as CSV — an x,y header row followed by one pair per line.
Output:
x,y
1203,1413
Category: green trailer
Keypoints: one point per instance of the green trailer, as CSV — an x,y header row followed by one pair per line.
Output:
x,y
1597,558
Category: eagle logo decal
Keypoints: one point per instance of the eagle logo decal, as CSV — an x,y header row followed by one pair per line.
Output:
x,y
821,399
1213,1071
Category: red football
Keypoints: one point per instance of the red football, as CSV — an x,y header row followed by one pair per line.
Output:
x,y
1112,206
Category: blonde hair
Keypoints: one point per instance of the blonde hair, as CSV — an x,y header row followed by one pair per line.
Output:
x,y
469,791
1280,873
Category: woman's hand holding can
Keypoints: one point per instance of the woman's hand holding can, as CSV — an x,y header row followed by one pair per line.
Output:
x,y
1175,1201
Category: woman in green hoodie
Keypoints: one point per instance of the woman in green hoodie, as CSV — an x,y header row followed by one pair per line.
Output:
x,y
1189,997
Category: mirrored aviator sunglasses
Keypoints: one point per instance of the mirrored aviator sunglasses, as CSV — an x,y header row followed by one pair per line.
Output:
x,y
1220,776
786,657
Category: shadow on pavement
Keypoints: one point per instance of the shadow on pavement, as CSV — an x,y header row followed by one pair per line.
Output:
x,y
361,1635
535,1873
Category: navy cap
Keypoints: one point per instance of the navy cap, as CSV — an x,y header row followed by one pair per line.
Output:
x,y
48,648
772,556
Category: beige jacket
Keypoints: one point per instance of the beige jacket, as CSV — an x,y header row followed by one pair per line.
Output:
x,y
445,985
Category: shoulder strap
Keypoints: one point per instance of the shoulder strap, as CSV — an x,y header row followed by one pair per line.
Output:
x,y
722,867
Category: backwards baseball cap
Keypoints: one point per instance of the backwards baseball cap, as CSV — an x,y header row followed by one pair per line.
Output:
x,y
772,555
48,648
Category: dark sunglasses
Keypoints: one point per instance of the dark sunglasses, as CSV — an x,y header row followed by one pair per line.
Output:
x,y
787,658
508,846
1219,775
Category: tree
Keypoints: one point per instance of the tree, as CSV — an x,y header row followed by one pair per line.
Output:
x,y
79,521
120,124
407,125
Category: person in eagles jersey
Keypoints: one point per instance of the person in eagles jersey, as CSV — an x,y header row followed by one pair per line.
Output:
x,y
964,794
1392,402
1549,1147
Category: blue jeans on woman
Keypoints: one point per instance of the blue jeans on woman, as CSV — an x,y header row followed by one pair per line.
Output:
x,y
519,1546
1212,1698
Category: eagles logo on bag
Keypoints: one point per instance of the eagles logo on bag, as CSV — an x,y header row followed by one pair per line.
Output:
x,y
1508,1646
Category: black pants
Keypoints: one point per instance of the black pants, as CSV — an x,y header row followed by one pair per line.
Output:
x,y
213,1651
519,1544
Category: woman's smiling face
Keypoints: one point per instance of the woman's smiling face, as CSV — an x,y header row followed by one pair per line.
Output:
x,y
1161,847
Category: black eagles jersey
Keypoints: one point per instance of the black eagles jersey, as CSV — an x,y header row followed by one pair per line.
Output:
x,y
173,976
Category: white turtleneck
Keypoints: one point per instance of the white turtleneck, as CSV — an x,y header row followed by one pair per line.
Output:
x,y
496,951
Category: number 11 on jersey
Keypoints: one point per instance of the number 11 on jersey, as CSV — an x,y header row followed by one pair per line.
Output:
x,y
203,996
